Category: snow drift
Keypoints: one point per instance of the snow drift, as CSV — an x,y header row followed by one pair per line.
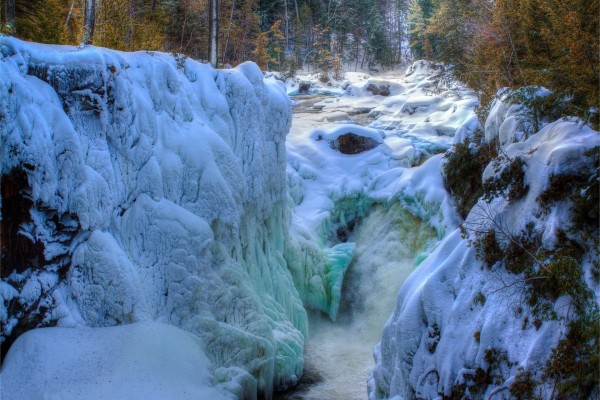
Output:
x,y
152,188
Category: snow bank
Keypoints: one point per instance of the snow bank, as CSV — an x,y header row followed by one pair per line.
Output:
x,y
452,311
139,361
169,178
511,121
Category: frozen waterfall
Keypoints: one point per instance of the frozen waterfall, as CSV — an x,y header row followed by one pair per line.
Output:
x,y
378,191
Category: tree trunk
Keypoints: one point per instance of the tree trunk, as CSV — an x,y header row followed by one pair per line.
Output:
x,y
297,12
214,30
89,20
70,14
129,37
287,44
228,32
10,15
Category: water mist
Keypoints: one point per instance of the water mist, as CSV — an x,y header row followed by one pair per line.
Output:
x,y
389,241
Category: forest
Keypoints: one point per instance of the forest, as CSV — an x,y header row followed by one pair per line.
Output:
x,y
488,44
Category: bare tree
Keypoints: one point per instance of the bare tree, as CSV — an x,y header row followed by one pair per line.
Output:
x,y
214,32
89,20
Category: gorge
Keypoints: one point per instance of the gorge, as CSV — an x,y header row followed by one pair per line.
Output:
x,y
160,215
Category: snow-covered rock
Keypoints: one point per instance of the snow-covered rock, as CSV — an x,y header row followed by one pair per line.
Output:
x,y
511,121
456,318
157,191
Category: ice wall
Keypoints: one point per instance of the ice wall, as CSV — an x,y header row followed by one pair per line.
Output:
x,y
170,177
456,320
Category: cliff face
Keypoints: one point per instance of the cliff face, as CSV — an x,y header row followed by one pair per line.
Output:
x,y
146,186
495,311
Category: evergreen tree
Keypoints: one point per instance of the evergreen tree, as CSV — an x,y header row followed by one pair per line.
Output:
x,y
379,47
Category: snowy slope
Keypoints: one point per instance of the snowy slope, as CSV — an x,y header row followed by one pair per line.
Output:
x,y
155,190
457,322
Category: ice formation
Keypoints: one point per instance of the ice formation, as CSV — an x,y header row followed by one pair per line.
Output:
x,y
156,189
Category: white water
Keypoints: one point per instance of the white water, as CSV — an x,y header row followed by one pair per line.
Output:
x,y
388,241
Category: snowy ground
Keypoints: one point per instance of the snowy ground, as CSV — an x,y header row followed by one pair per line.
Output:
x,y
143,360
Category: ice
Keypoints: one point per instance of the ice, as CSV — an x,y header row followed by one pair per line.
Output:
x,y
170,179
338,259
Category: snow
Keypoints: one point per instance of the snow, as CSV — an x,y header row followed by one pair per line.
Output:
x,y
441,294
329,189
137,361
201,230
171,179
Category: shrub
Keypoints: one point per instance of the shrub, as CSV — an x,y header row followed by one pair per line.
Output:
x,y
582,189
538,104
523,386
487,248
479,299
586,197
573,365
518,253
462,172
511,182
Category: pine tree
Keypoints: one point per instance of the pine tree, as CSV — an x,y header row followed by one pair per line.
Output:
x,y
418,32
379,47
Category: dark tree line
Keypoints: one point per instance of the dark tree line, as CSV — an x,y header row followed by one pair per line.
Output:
x,y
488,44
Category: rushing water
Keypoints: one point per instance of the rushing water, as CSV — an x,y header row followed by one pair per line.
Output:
x,y
340,353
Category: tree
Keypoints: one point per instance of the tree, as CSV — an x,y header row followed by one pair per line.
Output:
x,y
261,55
129,25
451,25
9,24
269,46
89,21
420,44
378,44
214,32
